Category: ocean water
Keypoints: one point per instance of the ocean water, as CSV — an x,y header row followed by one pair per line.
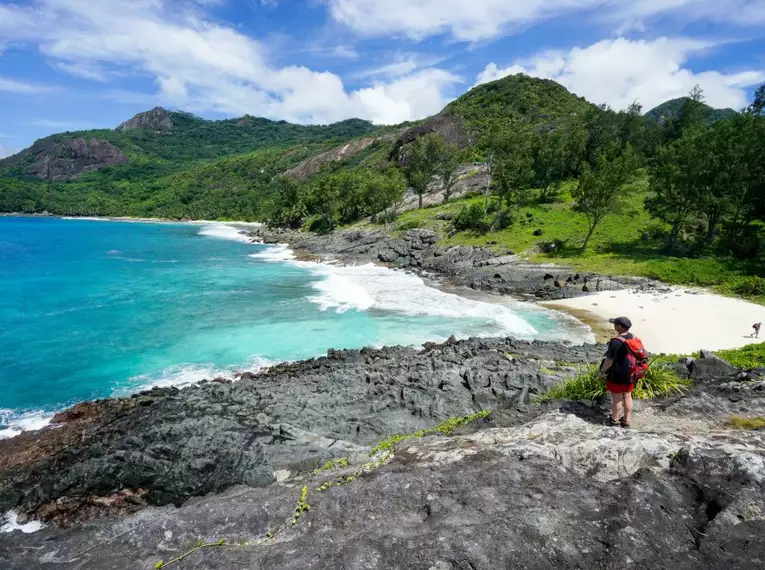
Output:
x,y
93,309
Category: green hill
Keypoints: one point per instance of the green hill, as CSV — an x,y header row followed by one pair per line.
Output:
x,y
173,164
515,96
671,110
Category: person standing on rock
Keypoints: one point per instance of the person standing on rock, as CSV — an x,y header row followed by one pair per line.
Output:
x,y
626,362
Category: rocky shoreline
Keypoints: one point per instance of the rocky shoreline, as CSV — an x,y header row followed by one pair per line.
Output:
x,y
125,483
477,268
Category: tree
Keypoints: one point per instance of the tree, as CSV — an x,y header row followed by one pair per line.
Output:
x,y
757,108
448,161
513,167
600,188
677,180
557,155
384,191
421,163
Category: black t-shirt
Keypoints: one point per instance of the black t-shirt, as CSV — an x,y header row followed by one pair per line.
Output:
x,y
617,351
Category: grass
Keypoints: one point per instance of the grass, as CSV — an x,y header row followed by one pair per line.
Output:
x,y
628,242
747,358
589,386
738,422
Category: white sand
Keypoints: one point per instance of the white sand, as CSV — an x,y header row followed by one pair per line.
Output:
x,y
678,322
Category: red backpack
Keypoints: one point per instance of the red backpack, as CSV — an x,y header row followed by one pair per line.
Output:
x,y
635,365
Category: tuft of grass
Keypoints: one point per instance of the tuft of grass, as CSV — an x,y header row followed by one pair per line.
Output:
x,y
746,358
739,422
588,385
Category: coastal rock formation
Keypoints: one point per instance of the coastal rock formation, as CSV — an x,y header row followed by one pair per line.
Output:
x,y
55,159
551,488
477,268
158,119
175,444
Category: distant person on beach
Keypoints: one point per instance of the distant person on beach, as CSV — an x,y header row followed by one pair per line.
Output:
x,y
625,363
756,333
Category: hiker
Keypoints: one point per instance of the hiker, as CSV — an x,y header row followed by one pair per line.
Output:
x,y
625,363
756,333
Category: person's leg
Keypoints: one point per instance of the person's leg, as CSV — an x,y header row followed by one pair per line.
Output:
x,y
616,404
628,408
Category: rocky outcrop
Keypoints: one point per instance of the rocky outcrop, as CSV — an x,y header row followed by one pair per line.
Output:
x,y
474,267
451,128
158,119
316,164
168,445
552,488
469,178
57,159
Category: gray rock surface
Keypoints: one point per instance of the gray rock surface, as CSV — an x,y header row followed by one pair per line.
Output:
x,y
158,119
52,159
168,445
555,491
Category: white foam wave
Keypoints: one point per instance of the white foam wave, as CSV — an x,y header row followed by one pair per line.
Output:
x,y
224,231
12,423
186,375
11,524
275,253
365,287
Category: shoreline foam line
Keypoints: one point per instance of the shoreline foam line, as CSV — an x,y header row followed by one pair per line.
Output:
x,y
370,286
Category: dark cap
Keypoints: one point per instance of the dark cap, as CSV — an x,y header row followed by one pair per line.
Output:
x,y
622,322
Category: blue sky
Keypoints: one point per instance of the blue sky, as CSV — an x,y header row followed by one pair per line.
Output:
x,y
79,64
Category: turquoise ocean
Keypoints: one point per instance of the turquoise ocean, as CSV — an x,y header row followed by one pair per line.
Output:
x,y
93,309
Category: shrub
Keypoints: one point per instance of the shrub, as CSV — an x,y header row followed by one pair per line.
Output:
x,y
317,224
470,219
747,358
660,381
751,286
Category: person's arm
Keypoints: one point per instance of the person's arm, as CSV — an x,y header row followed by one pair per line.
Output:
x,y
613,349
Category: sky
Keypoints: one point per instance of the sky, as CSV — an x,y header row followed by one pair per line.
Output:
x,y
82,64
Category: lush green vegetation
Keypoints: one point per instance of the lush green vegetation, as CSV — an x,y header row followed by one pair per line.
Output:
x,y
681,199
672,109
177,174
747,358
588,385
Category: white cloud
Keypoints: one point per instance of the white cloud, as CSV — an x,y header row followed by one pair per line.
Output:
x,y
54,124
483,19
203,66
621,71
7,151
14,86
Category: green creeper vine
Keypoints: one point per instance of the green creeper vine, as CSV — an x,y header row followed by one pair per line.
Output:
x,y
202,544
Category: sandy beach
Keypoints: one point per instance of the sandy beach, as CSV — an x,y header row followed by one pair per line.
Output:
x,y
682,321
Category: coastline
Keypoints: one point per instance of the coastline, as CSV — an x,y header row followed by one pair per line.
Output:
x,y
33,420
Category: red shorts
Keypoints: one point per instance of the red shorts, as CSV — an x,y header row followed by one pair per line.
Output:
x,y
619,388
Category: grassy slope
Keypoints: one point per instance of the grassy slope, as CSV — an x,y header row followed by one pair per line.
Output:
x,y
618,247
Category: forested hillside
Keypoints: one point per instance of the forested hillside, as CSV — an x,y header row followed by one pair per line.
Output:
x,y
694,184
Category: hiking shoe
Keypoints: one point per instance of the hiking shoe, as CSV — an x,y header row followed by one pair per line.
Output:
x,y
624,424
612,422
